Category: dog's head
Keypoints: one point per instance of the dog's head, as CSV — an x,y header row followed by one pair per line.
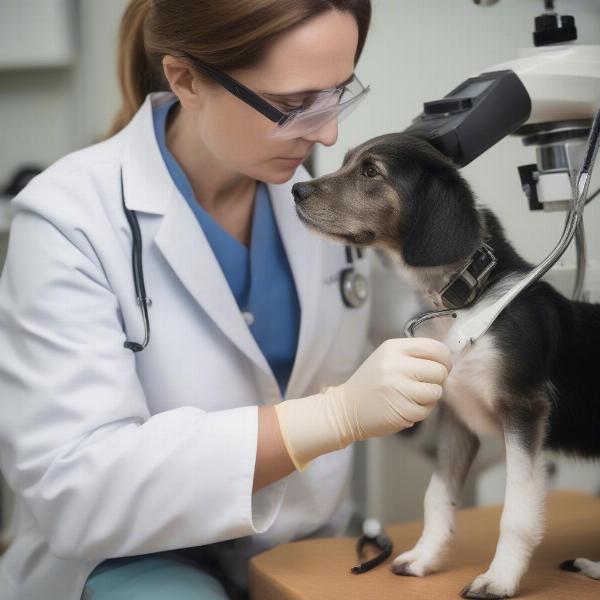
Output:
x,y
399,193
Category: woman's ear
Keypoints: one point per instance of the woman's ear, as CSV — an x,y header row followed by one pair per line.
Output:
x,y
443,225
183,81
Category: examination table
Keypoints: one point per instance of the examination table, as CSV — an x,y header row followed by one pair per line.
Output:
x,y
319,569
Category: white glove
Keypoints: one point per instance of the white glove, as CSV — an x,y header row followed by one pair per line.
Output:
x,y
396,386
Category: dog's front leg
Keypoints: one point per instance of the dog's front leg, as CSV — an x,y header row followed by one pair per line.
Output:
x,y
522,522
457,448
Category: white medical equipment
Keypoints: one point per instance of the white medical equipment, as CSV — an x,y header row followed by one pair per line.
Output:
x,y
562,81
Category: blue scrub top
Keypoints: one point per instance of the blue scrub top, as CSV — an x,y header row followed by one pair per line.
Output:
x,y
260,277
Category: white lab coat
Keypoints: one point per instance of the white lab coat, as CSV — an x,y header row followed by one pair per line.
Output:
x,y
112,453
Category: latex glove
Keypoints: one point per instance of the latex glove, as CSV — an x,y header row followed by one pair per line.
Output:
x,y
396,386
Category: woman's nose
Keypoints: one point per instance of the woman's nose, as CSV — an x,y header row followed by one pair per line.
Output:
x,y
326,134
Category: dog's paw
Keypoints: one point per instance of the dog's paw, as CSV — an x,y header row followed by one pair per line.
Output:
x,y
487,587
583,565
411,563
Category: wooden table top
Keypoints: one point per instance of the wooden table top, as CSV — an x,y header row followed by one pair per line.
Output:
x,y
319,569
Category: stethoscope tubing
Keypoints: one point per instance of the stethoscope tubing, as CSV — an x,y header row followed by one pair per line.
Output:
x,y
138,273
382,542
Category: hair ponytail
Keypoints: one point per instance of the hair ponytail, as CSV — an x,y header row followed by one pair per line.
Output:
x,y
226,34
133,64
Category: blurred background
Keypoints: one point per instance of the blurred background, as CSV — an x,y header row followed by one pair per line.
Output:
x,y
58,93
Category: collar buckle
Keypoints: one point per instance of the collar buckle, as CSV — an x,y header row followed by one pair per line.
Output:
x,y
466,285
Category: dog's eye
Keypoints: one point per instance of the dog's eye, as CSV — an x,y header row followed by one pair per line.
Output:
x,y
370,171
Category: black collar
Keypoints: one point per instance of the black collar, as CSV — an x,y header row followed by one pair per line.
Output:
x,y
466,285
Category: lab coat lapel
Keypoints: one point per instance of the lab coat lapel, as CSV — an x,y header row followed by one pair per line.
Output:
x,y
149,189
307,254
185,247
188,252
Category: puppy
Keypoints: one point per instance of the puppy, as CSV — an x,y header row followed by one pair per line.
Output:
x,y
531,379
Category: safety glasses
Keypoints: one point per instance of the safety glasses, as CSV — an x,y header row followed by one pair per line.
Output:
x,y
296,115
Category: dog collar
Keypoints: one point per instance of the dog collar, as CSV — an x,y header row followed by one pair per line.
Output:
x,y
466,285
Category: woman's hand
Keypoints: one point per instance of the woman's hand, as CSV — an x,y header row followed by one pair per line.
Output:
x,y
396,386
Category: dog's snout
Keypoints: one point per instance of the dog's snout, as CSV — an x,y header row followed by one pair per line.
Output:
x,y
301,191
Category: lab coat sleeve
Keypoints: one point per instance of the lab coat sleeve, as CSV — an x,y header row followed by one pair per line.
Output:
x,y
393,302
101,476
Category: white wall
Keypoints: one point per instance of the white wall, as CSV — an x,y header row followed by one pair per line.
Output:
x,y
98,89
48,112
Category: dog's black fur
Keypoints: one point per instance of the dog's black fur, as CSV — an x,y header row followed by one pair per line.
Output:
x,y
402,196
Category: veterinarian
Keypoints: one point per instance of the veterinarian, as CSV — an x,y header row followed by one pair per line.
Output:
x,y
155,446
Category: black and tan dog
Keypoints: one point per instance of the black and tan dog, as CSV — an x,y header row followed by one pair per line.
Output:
x,y
531,379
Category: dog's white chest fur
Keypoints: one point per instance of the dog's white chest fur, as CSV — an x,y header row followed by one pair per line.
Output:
x,y
471,388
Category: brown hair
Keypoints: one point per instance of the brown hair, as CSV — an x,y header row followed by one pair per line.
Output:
x,y
226,34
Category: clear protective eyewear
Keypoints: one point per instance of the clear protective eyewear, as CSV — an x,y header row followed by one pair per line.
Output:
x,y
319,108
311,111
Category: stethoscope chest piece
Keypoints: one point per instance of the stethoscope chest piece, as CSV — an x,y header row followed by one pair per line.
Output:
x,y
355,289
353,285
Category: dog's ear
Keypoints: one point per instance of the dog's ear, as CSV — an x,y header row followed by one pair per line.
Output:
x,y
443,224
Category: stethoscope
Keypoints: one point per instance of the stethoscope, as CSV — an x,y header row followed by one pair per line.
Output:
x,y
372,535
353,285
138,273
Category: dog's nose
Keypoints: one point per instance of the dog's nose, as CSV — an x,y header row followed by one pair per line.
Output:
x,y
301,191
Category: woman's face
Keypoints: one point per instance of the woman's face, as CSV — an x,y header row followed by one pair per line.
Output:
x,y
317,55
